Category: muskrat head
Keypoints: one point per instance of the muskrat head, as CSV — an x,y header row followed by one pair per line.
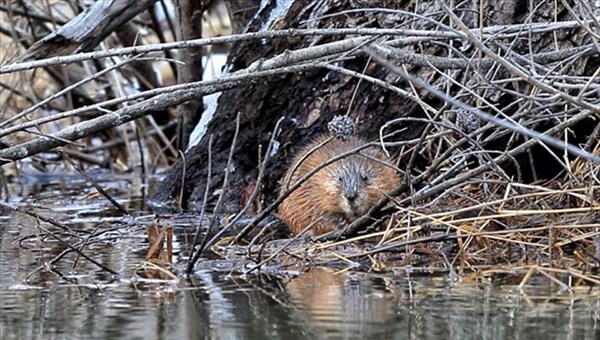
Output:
x,y
354,177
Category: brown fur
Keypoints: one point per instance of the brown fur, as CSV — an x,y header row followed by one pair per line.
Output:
x,y
322,199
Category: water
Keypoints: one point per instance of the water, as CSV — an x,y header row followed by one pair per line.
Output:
x,y
73,298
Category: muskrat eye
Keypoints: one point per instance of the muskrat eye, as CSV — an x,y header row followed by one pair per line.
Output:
x,y
364,177
339,179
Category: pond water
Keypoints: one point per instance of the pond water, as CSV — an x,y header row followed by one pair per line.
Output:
x,y
73,298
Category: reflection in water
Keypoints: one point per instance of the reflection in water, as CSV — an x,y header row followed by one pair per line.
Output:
x,y
231,309
60,302
343,305
324,304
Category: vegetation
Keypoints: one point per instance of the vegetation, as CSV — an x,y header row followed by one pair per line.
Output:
x,y
489,108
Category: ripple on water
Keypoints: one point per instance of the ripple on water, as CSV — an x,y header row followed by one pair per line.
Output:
x,y
66,301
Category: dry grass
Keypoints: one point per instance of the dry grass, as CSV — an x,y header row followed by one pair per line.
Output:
x,y
486,229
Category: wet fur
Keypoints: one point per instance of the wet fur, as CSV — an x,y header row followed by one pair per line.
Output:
x,y
322,199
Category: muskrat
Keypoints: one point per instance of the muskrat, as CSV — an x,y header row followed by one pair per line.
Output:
x,y
339,193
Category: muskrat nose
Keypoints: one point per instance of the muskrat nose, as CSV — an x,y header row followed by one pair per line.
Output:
x,y
351,194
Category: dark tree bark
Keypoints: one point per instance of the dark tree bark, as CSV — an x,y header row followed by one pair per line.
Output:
x,y
240,13
309,100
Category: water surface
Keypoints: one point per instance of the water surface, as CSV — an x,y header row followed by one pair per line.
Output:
x,y
74,298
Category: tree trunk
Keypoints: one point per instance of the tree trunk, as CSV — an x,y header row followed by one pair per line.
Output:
x,y
445,59
189,15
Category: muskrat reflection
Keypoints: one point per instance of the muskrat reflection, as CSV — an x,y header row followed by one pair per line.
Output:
x,y
344,303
